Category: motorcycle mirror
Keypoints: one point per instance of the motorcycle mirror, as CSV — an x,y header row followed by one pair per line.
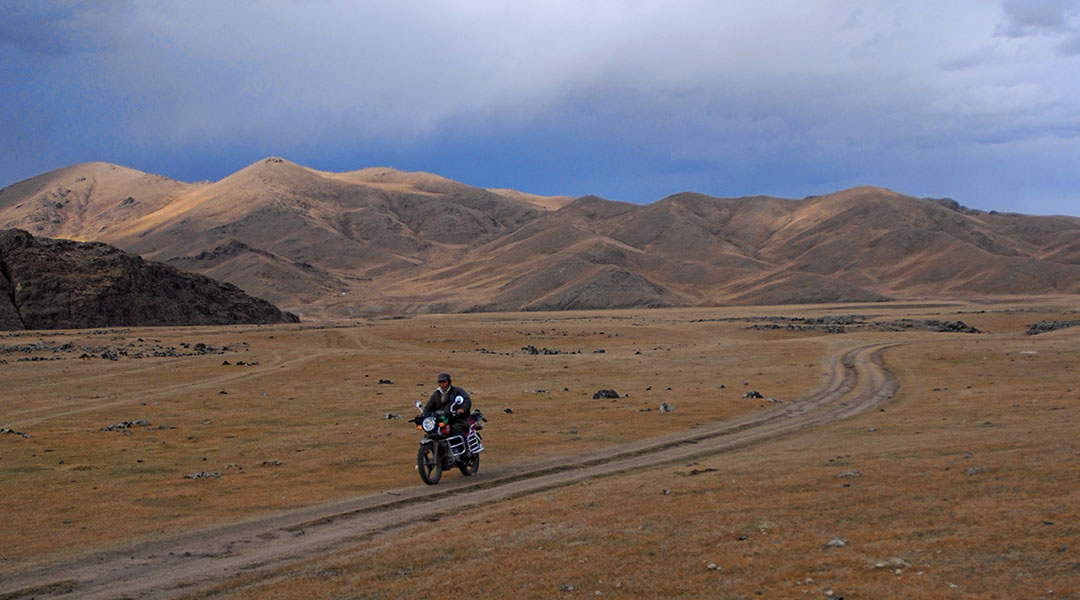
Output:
x,y
458,401
418,405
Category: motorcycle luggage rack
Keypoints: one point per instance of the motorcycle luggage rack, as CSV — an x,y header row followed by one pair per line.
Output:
x,y
456,444
475,444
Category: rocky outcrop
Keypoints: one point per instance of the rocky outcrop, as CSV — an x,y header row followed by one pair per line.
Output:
x,y
61,284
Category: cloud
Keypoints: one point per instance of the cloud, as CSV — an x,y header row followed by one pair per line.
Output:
x,y
1023,18
624,98
1071,46
57,29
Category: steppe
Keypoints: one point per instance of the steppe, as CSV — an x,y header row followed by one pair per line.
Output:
x,y
962,482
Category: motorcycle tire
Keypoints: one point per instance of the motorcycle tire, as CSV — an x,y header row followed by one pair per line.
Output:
x,y
429,464
471,466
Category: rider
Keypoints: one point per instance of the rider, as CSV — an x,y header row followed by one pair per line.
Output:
x,y
442,401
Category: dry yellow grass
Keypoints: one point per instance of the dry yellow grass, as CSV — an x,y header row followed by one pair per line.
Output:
x,y
969,476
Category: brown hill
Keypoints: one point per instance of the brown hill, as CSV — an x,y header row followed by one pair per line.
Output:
x,y
84,201
62,284
379,240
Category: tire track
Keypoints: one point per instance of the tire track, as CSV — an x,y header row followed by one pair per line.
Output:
x,y
277,361
167,569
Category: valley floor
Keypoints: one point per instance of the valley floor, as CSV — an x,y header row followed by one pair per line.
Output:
x,y
961,485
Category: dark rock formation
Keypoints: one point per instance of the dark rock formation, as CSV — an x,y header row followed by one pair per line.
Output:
x,y
61,284
1046,326
927,324
533,350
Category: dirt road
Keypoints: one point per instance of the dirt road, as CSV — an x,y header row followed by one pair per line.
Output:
x,y
168,569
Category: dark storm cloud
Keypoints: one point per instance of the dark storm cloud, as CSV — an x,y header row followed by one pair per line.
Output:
x,y
1054,19
1028,17
628,100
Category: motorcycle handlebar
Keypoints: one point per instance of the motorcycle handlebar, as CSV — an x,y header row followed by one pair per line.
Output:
x,y
479,416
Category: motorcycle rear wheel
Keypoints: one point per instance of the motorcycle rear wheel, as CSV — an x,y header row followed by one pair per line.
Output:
x,y
471,466
429,464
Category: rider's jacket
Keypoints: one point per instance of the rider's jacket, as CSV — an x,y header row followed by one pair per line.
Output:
x,y
441,403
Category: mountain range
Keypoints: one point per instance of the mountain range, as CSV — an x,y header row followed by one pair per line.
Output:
x,y
381,241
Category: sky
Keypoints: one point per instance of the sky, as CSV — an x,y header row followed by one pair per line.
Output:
x,y
631,100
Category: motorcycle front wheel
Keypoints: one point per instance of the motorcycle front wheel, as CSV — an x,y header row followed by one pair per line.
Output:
x,y
429,464
469,467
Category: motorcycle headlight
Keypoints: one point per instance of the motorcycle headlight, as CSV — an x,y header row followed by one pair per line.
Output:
x,y
428,424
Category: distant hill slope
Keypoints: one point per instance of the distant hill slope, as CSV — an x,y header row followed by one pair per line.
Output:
x,y
379,240
61,284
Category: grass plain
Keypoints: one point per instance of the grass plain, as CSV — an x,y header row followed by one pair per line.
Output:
x,y
963,486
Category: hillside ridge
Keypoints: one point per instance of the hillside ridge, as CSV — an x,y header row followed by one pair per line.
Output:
x,y
378,240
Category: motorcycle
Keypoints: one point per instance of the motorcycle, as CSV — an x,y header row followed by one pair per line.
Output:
x,y
441,450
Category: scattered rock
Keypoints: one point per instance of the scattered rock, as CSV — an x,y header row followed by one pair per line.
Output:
x,y
928,324
4,430
391,417
892,563
125,425
713,567
666,408
849,474
1046,326
753,394
203,475
508,411
272,463
970,471
533,350
385,382
836,543
605,394
824,324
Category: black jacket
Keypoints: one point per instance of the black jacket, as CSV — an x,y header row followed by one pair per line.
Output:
x,y
440,403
